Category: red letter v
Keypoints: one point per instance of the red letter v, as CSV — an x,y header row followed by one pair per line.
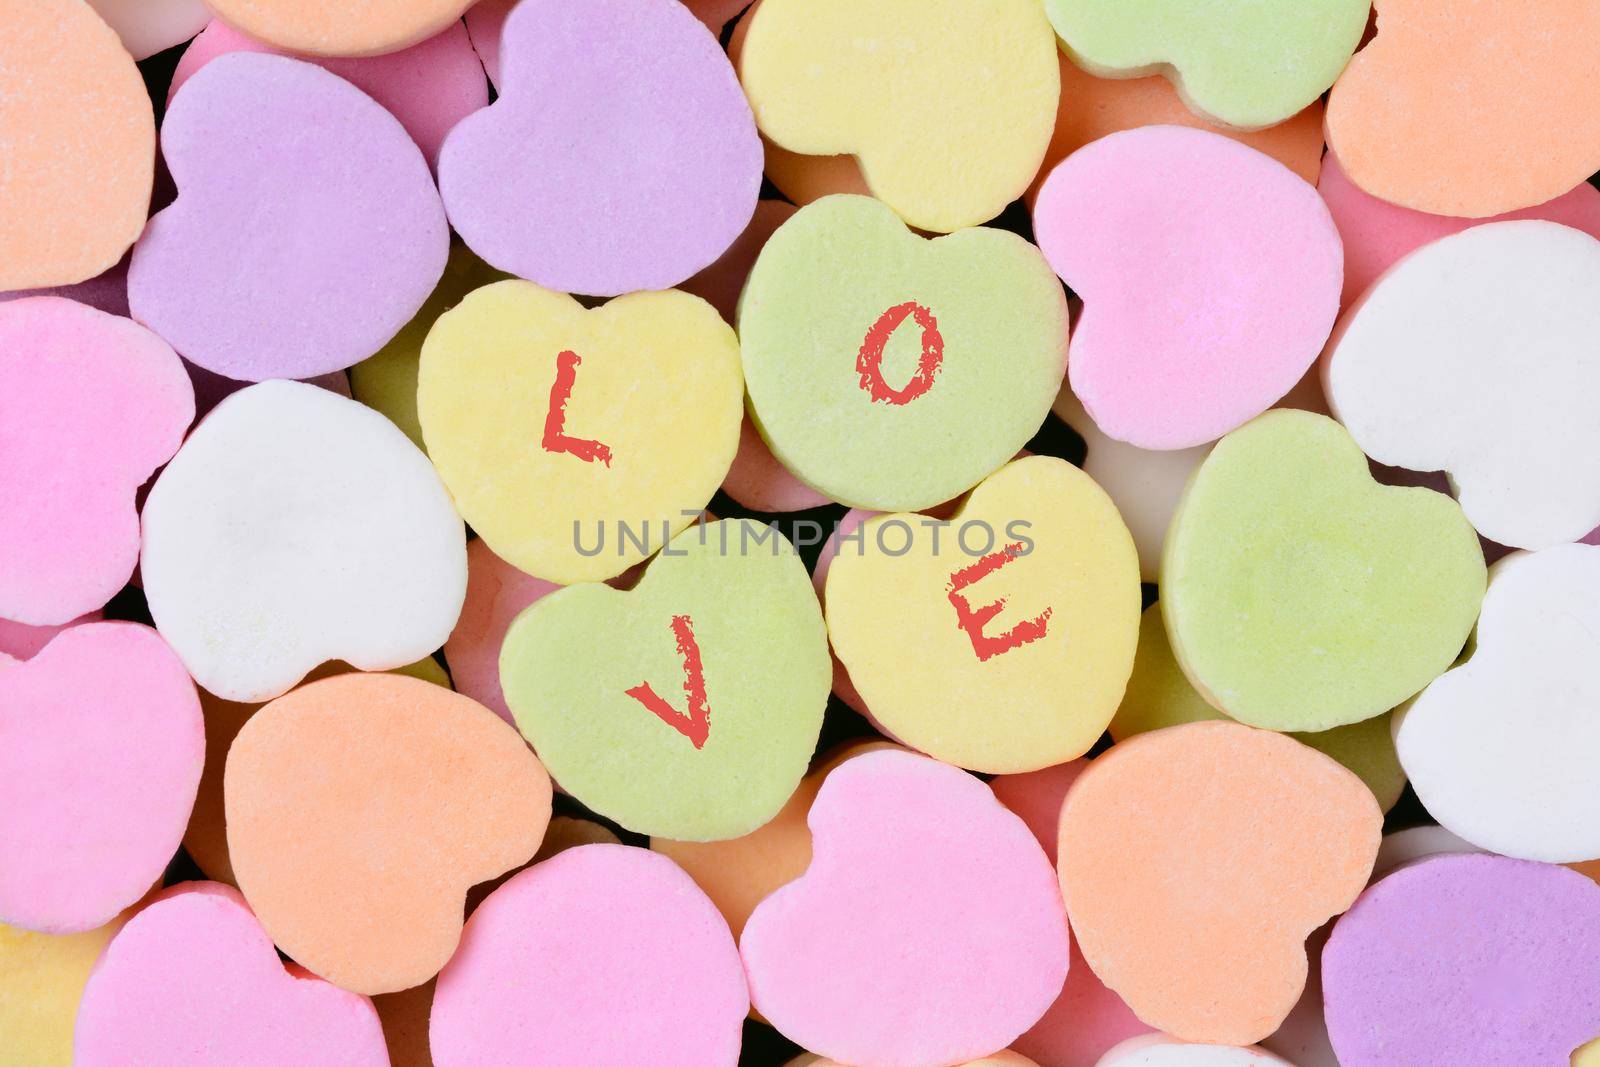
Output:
x,y
696,725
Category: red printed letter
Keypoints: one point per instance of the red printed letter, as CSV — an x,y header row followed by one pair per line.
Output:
x,y
555,419
870,362
972,620
696,725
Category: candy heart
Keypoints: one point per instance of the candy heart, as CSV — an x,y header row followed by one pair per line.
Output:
x,y
543,417
1493,330
1027,607
371,27
948,106
1378,234
1159,1050
429,87
90,406
359,868
1501,748
496,594
78,139
1466,959
1301,595
1449,109
41,982
150,26
605,956
101,745
192,980
1159,696
295,527
206,838
306,232
1087,1019
1209,275
387,382
673,180
740,873
891,373
689,706
1196,860
1243,63
927,930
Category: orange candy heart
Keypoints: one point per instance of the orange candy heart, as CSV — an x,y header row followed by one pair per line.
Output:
x,y
360,810
1196,860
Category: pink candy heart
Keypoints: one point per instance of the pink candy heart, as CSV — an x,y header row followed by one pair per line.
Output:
x,y
193,981
90,406
1210,277
101,746
917,870
606,956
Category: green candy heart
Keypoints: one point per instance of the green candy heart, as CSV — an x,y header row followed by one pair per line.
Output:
x,y
694,770
1299,594
894,373
1243,63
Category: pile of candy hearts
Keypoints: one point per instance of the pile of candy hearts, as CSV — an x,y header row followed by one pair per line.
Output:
x,y
799,533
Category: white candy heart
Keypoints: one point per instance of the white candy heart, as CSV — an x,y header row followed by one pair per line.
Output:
x,y
1495,334
296,527
1502,749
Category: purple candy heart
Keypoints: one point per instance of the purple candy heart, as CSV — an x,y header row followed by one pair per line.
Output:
x,y
621,155
1466,959
307,228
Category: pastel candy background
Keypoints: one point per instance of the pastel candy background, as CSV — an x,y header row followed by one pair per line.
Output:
x,y
373,376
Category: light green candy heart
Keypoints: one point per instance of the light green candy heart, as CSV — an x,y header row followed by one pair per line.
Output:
x,y
569,659
1299,594
1159,696
387,382
821,283
1243,63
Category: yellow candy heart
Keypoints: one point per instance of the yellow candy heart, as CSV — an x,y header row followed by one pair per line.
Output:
x,y
948,105
577,442
999,640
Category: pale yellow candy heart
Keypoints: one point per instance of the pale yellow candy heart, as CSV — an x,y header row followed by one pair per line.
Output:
x,y
553,425
1005,645
948,105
